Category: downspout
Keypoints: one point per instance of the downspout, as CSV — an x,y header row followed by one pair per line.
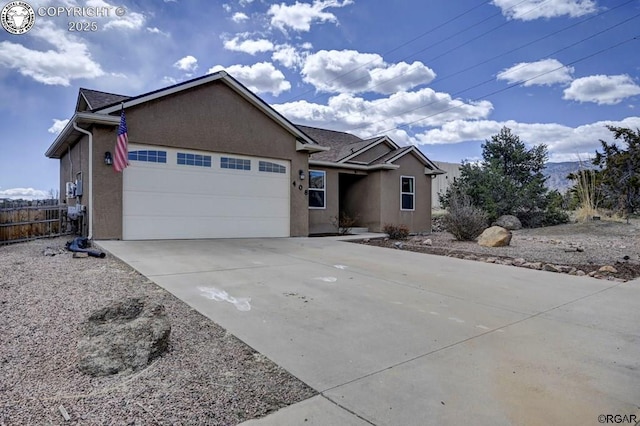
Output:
x,y
90,208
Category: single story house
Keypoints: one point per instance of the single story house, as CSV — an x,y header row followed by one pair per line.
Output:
x,y
210,159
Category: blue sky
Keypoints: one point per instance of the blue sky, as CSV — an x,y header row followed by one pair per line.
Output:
x,y
443,75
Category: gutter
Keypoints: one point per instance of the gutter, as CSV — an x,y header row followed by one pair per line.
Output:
x,y
353,166
55,151
81,130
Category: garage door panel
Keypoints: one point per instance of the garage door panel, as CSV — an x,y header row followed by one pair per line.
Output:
x,y
190,205
171,201
163,227
180,181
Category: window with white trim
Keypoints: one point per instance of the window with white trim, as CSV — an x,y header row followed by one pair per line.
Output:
x,y
317,189
150,156
269,167
407,193
235,163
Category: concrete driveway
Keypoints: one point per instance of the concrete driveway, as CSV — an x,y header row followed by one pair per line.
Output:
x,y
389,337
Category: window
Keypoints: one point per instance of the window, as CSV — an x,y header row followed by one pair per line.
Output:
x,y
317,189
407,193
148,156
267,166
235,163
194,159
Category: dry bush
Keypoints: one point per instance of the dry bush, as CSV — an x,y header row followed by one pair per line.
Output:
x,y
396,232
464,220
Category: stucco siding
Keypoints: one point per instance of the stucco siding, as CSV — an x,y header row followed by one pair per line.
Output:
x,y
321,221
418,220
206,118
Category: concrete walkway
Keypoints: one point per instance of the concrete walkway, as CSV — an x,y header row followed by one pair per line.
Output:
x,y
389,337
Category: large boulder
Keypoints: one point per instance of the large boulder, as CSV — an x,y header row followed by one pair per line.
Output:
x,y
509,222
123,337
495,236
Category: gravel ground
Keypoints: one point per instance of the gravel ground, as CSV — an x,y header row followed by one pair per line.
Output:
x,y
207,376
586,246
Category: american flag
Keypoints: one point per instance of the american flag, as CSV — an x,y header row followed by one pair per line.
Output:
x,y
122,153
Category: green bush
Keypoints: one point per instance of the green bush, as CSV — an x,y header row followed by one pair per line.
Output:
x,y
396,232
463,219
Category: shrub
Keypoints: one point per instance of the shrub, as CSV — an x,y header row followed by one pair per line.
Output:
x,y
464,220
396,232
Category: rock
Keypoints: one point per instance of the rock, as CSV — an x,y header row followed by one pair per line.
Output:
x,y
366,240
123,337
592,273
608,269
533,265
565,269
551,268
573,271
427,242
495,236
398,245
507,262
491,259
509,222
519,261
471,257
52,251
580,273
80,255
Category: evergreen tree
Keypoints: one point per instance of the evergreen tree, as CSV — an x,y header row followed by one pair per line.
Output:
x,y
508,180
620,174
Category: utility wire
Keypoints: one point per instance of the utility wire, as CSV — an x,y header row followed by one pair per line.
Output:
x,y
493,79
437,27
506,88
449,51
508,52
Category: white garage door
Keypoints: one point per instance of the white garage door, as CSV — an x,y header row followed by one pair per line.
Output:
x,y
184,194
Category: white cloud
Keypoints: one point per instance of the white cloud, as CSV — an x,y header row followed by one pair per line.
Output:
x,y
349,71
156,30
262,77
239,17
57,126
248,46
529,10
24,194
545,72
288,56
68,61
129,21
602,89
366,118
565,143
300,16
188,64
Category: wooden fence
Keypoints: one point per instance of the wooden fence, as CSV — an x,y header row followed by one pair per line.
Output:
x,y
28,220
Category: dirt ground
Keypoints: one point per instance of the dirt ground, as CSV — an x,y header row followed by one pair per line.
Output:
x,y
207,377
585,246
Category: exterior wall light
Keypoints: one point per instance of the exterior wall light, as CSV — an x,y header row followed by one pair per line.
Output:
x,y
301,174
108,160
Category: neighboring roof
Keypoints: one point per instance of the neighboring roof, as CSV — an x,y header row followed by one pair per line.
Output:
x,y
102,105
94,99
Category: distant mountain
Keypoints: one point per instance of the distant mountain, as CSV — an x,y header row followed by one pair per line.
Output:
x,y
557,173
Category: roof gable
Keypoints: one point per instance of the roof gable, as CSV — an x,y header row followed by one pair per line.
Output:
x,y
91,100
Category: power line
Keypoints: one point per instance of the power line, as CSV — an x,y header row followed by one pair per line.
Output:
x,y
492,79
437,27
506,88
